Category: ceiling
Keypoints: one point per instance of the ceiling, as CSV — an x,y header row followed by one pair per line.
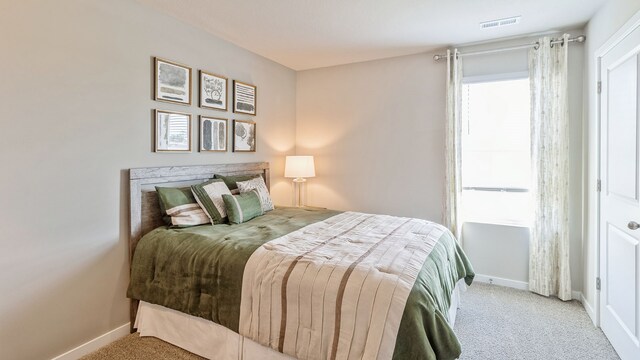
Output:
x,y
306,34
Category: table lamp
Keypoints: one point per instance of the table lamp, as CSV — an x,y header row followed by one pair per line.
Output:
x,y
299,168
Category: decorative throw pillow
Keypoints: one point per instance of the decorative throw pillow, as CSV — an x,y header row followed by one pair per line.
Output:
x,y
244,207
180,208
232,181
259,185
209,197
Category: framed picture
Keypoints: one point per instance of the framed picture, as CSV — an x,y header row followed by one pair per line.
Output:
x,y
244,136
213,91
213,134
244,98
172,82
173,131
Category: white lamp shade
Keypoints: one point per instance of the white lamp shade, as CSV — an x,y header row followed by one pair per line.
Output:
x,y
299,167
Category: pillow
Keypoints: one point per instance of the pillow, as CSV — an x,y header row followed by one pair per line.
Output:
x,y
180,208
232,180
259,185
209,197
244,207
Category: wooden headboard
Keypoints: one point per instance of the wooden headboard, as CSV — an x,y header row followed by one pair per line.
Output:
x,y
144,208
143,200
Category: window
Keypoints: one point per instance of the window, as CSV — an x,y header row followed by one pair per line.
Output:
x,y
496,160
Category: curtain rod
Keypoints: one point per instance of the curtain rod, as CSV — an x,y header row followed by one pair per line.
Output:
x,y
536,45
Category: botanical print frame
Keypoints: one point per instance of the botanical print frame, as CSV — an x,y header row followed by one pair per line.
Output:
x,y
213,91
213,134
172,82
244,136
172,131
244,98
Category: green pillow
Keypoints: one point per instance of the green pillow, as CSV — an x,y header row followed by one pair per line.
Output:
x,y
244,207
179,207
209,197
232,180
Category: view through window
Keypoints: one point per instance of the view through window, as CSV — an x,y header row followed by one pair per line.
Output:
x,y
496,160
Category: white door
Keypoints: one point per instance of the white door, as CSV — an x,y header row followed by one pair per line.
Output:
x,y
620,198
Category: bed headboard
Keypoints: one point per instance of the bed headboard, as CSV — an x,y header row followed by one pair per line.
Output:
x,y
144,208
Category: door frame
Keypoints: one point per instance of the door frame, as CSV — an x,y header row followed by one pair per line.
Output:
x,y
625,30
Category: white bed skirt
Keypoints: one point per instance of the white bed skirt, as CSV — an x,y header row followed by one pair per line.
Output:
x,y
213,341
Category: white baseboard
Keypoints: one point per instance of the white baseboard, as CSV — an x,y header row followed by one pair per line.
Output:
x,y
516,284
589,308
501,281
95,344
577,295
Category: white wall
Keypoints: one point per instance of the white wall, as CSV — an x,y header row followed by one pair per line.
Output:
x,y
76,110
485,244
498,251
377,130
600,28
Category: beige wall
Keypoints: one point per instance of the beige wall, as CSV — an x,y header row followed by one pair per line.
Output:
x,y
600,28
76,111
376,130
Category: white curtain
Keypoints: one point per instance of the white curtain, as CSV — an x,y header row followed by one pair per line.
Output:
x,y
549,240
452,143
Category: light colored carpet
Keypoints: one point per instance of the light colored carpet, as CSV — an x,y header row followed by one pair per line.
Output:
x,y
134,347
494,323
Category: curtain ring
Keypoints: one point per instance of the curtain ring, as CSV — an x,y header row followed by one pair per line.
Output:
x,y
562,43
537,45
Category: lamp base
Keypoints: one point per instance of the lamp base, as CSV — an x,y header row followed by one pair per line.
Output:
x,y
299,192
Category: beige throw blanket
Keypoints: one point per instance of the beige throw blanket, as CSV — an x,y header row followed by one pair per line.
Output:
x,y
335,289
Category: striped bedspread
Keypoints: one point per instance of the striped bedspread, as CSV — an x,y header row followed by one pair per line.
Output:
x,y
335,289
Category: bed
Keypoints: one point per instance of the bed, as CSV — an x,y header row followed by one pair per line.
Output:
x,y
293,283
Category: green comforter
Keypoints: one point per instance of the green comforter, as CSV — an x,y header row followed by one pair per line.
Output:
x,y
199,271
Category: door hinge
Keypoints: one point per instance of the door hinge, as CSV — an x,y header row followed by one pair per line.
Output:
x,y
599,87
599,185
597,283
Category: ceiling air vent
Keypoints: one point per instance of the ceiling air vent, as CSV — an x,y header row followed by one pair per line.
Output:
x,y
500,22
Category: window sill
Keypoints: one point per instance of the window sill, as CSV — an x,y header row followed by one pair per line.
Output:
x,y
499,223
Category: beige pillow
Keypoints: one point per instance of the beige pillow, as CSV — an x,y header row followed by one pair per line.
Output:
x,y
263,193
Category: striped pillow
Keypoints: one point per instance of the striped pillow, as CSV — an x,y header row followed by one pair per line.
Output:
x,y
232,180
244,207
180,208
258,185
209,197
